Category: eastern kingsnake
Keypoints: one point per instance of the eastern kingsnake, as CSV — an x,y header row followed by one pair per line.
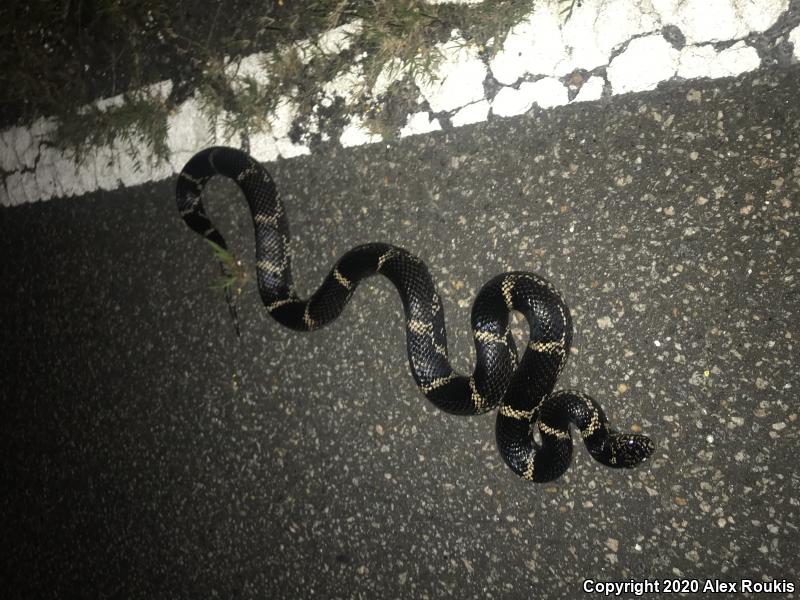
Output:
x,y
523,389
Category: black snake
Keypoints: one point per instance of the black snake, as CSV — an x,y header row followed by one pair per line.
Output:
x,y
523,389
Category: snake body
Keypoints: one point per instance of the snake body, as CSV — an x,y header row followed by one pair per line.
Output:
x,y
521,388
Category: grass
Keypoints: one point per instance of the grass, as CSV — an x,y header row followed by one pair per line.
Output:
x,y
140,119
58,56
486,24
232,281
234,274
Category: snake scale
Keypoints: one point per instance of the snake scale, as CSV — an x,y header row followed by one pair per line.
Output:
x,y
523,389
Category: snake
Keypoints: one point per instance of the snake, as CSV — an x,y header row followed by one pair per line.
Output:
x,y
521,389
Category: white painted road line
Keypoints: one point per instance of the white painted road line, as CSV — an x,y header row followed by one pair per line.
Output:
x,y
608,46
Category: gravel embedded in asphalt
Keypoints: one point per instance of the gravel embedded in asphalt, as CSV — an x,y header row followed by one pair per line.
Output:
x,y
149,452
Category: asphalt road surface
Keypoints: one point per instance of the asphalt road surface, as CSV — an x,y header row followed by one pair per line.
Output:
x,y
147,452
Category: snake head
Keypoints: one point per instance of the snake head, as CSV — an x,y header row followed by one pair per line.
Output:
x,y
629,449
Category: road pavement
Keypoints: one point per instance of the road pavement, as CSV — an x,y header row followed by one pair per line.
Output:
x,y
150,453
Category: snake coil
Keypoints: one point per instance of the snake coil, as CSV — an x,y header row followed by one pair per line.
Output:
x,y
523,389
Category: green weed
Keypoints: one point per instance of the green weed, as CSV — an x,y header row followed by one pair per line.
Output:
x,y
56,56
235,275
